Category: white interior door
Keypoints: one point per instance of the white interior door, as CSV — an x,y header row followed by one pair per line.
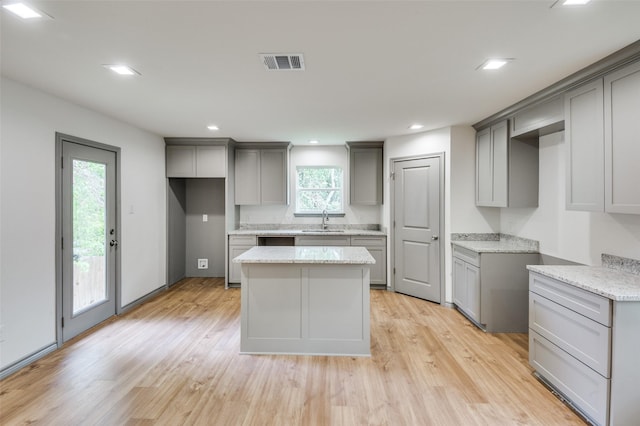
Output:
x,y
416,221
89,243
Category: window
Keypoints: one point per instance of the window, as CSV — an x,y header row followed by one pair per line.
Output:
x,y
318,188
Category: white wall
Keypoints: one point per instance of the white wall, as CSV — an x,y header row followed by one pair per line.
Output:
x,y
284,215
29,120
573,235
460,212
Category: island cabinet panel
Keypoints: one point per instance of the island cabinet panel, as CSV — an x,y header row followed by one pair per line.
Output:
x,y
305,309
622,140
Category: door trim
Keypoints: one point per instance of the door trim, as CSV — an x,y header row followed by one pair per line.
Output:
x,y
392,216
60,138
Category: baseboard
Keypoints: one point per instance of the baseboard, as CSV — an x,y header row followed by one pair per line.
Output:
x,y
28,360
141,300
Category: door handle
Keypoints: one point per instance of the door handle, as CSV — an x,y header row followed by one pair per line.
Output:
x,y
113,243
435,238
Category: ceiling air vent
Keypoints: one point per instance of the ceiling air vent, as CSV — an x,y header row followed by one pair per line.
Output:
x,y
283,61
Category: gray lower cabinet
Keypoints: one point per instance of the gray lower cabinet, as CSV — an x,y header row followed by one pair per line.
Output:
x,y
196,161
377,247
585,346
491,289
323,240
238,244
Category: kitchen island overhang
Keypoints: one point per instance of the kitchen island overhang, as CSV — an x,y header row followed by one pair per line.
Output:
x,y
305,301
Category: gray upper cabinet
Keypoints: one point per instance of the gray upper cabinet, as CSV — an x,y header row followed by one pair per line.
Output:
x,y
196,161
622,140
543,118
506,168
261,176
584,138
365,172
602,122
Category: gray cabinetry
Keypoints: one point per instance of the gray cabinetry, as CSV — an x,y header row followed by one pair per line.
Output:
x,y
196,161
602,127
584,138
261,176
542,118
238,244
622,140
377,247
506,168
365,172
491,289
585,346
323,240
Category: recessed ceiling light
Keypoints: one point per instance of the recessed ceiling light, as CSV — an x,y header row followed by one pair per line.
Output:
x,y
494,64
213,127
314,142
23,11
416,126
121,69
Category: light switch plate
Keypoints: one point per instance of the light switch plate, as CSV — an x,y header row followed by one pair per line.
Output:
x,y
205,218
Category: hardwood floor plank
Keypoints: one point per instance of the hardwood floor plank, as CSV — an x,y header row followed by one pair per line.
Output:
x,y
175,360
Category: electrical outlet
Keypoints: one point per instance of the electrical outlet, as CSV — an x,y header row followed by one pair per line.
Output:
x,y
203,263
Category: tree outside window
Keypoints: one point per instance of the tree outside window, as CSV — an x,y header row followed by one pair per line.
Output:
x,y
319,188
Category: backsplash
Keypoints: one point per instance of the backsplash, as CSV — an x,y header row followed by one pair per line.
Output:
x,y
621,263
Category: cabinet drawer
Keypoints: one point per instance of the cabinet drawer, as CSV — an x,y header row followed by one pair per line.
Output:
x,y
581,337
358,241
585,388
242,240
467,255
331,240
591,305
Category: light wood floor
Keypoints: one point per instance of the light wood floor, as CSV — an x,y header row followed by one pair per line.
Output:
x,y
175,361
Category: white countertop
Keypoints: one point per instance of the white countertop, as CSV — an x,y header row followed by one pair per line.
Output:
x,y
311,254
501,246
297,232
610,283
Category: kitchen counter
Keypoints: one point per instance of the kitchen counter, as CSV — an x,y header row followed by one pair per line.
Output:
x,y
611,283
298,232
506,244
309,254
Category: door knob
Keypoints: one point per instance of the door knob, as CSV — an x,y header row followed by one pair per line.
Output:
x,y
435,238
113,243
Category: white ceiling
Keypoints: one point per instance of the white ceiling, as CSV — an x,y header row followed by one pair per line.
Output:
x,y
372,67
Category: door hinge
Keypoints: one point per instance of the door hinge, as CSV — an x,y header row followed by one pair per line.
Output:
x,y
393,175
62,322
394,271
61,243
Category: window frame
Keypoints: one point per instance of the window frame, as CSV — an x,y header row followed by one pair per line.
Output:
x,y
311,213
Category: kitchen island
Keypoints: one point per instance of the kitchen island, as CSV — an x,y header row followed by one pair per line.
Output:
x,y
305,300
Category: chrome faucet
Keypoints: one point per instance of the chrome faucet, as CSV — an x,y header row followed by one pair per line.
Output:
x,y
325,219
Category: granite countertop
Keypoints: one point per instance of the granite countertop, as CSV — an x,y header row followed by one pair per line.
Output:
x,y
608,282
495,243
315,255
297,232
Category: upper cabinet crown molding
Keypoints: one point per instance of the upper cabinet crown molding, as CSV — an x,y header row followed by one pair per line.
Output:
x,y
611,63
